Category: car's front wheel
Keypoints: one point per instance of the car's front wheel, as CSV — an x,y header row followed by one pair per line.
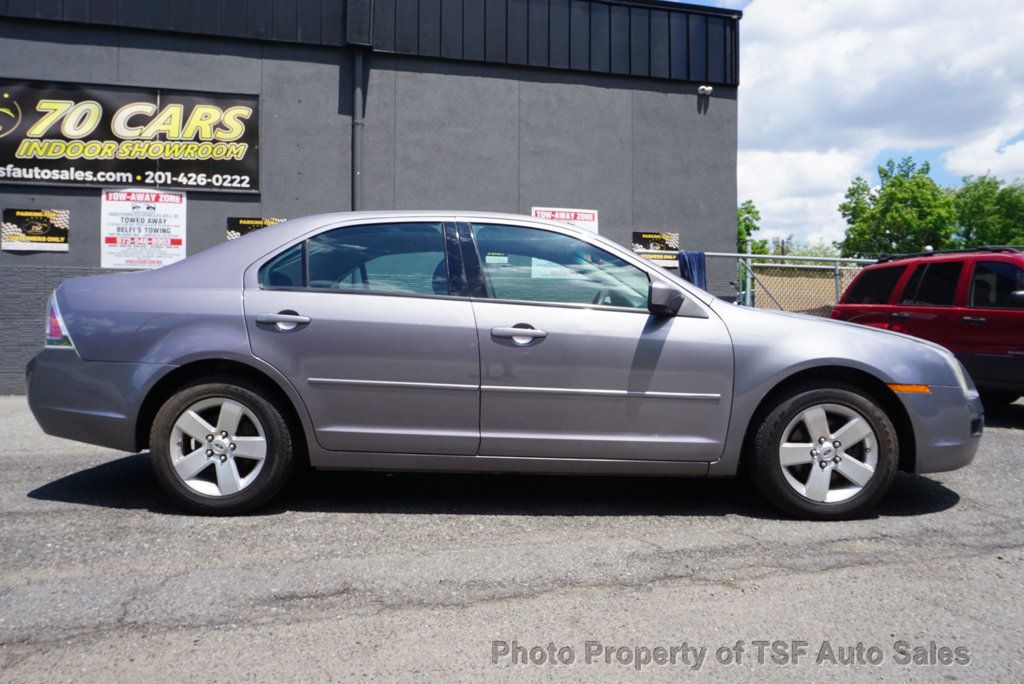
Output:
x,y
221,447
825,451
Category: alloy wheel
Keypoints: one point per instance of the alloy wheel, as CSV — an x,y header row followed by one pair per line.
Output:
x,y
828,453
218,447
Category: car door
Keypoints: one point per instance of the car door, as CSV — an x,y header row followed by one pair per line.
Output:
x,y
361,320
572,363
868,300
927,306
991,329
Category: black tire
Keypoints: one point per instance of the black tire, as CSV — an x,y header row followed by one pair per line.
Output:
x,y
767,471
277,465
991,399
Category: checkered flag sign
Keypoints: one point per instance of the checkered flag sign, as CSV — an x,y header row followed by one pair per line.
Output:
x,y
10,231
35,230
61,218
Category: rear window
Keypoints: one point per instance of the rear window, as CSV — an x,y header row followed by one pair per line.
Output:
x,y
874,286
933,284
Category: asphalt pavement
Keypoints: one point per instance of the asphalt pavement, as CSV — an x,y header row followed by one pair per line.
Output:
x,y
358,576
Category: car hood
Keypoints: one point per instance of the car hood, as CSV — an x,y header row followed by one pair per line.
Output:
x,y
798,341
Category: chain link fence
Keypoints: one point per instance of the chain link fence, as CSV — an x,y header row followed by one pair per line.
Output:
x,y
807,285
801,284
809,290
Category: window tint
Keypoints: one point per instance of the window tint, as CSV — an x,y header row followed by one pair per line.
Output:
x,y
874,286
933,284
392,257
910,290
527,264
993,282
284,270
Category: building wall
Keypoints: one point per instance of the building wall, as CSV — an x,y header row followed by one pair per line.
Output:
x,y
438,135
648,155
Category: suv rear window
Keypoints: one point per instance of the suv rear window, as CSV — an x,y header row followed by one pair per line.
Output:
x,y
874,286
933,284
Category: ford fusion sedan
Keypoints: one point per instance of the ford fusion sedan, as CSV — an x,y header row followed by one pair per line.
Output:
x,y
451,341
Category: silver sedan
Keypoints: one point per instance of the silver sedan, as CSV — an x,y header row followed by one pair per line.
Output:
x,y
486,342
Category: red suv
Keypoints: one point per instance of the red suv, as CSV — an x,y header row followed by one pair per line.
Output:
x,y
969,301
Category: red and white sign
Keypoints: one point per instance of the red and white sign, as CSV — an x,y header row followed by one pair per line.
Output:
x,y
580,218
141,228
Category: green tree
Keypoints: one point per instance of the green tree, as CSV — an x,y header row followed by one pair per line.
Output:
x,y
907,212
812,249
1011,207
748,222
989,212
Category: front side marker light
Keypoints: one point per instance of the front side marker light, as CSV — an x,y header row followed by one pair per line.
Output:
x,y
910,389
56,332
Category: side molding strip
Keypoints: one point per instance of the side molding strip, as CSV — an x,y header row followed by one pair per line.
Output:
x,y
604,393
392,383
691,396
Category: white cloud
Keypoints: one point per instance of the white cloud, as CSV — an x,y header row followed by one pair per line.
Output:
x,y
798,191
828,85
999,150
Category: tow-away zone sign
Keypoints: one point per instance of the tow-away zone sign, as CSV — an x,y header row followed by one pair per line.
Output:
x,y
142,228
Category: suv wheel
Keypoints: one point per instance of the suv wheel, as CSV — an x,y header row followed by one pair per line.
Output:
x,y
825,452
221,447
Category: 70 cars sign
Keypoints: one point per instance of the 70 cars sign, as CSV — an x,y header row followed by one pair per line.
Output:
x,y
72,134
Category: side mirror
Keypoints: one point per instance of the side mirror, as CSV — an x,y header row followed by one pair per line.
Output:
x,y
1017,298
663,299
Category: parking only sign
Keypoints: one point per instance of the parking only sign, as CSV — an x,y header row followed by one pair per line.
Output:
x,y
580,218
141,228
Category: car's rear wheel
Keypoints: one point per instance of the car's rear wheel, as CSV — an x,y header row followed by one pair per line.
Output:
x,y
825,451
221,447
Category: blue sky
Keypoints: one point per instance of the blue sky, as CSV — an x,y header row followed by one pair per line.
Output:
x,y
830,89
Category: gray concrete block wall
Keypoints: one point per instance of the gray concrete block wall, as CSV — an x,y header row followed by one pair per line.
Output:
x,y
438,135
648,155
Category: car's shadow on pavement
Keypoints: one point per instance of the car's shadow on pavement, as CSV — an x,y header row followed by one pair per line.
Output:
x,y
128,483
1006,416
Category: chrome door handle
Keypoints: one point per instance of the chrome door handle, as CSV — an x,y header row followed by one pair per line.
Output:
x,y
974,320
900,315
283,321
519,335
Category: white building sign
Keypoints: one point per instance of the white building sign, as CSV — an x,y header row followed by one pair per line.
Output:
x,y
142,228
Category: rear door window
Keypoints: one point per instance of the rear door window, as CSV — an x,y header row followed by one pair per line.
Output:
x,y
393,257
874,286
993,283
284,270
933,284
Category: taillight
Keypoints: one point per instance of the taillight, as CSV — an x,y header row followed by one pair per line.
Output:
x,y
56,331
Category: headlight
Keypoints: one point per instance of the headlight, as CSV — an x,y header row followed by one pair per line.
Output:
x,y
958,371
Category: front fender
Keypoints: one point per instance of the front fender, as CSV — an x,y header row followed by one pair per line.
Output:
x,y
771,347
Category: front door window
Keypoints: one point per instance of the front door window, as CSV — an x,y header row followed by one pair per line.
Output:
x,y
532,265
